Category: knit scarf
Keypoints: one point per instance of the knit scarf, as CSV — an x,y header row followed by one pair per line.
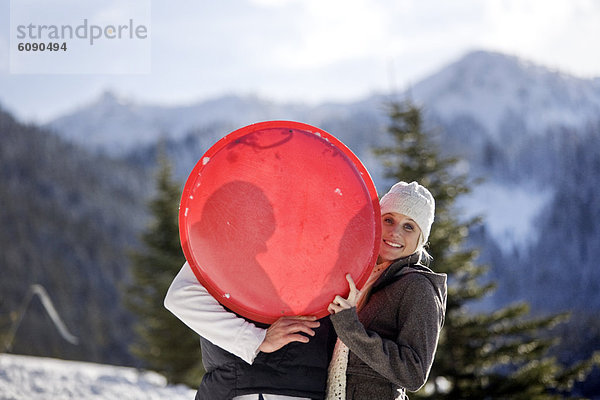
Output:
x,y
336,374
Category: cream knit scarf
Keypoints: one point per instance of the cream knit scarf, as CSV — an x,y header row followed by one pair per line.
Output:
x,y
336,375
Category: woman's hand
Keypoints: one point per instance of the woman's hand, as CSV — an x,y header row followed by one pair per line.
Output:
x,y
286,330
340,303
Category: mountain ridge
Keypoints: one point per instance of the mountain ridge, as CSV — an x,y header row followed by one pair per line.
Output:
x,y
488,87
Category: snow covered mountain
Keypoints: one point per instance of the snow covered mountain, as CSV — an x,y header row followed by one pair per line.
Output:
x,y
116,125
499,96
494,90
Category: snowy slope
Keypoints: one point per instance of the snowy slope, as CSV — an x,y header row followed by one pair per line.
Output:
x,y
34,378
510,212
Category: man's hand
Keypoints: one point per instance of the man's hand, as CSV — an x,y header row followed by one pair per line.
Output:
x,y
286,330
339,303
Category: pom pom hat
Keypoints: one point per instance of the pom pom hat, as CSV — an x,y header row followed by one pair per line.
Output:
x,y
414,201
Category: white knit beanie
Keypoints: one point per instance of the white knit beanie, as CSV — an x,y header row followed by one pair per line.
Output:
x,y
414,201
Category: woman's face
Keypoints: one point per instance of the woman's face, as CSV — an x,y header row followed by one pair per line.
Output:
x,y
399,236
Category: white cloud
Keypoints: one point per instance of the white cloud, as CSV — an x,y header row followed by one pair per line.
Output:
x,y
555,33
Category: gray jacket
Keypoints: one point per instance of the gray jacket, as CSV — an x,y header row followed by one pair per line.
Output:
x,y
393,339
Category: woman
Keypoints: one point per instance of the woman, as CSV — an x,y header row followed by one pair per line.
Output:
x,y
388,331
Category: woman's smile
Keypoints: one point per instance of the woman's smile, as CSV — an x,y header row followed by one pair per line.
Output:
x,y
393,244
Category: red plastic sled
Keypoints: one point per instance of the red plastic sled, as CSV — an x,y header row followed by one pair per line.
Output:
x,y
274,215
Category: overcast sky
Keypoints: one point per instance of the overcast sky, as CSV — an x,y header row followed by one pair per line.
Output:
x,y
297,50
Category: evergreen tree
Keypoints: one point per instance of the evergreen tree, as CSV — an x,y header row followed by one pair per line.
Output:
x,y
501,354
163,342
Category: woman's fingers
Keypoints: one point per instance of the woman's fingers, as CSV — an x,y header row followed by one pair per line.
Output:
x,y
339,300
354,292
339,303
351,283
334,308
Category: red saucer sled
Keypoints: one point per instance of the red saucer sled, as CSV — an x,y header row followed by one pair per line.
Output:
x,y
274,215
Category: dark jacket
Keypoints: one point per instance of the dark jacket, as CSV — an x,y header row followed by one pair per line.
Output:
x,y
297,369
393,339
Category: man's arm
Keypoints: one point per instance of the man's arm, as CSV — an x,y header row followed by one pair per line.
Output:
x,y
189,301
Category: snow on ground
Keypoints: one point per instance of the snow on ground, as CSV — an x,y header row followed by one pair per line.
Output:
x,y
35,378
